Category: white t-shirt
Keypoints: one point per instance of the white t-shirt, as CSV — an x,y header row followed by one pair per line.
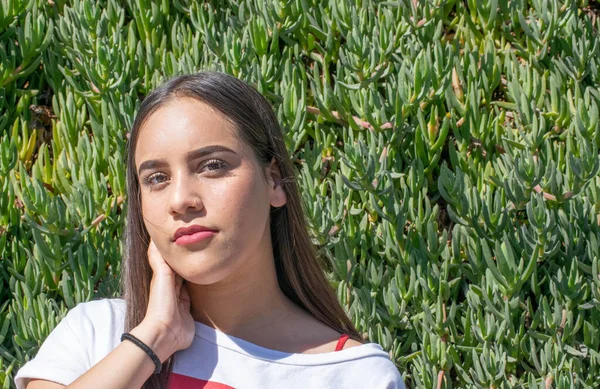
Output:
x,y
93,329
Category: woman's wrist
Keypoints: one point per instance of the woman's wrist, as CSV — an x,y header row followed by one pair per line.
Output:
x,y
160,341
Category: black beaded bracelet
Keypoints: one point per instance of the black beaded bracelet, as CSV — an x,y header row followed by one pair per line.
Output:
x,y
144,347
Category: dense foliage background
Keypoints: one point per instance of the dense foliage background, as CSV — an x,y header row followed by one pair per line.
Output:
x,y
447,151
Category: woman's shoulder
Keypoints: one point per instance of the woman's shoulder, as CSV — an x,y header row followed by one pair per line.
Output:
x,y
351,343
97,325
87,333
103,305
371,357
98,310
101,318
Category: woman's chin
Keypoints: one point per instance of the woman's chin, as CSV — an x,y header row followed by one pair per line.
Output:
x,y
202,273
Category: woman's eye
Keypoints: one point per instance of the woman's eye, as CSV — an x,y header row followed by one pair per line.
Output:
x,y
155,179
213,165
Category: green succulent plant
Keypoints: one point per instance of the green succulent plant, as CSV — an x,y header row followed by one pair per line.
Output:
x,y
447,152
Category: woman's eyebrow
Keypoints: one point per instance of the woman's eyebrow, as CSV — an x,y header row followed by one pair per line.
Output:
x,y
204,151
151,164
194,154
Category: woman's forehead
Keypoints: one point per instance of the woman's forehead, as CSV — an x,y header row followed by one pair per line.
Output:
x,y
183,125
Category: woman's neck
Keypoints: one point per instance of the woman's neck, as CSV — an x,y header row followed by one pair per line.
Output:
x,y
249,299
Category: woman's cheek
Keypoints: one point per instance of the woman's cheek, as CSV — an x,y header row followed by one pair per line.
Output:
x,y
152,214
241,209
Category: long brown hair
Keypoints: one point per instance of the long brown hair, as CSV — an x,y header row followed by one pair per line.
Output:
x,y
299,273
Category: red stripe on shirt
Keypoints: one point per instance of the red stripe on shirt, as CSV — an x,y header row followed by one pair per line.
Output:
x,y
179,381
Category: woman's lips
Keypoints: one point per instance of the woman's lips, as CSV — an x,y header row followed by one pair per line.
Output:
x,y
192,234
194,238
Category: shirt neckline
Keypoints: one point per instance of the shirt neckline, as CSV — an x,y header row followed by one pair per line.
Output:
x,y
252,350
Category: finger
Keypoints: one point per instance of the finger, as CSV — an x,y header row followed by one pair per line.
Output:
x,y
178,282
157,262
153,255
184,297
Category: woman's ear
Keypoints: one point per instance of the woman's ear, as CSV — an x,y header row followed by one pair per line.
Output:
x,y
276,192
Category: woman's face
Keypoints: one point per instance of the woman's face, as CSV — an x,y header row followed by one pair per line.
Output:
x,y
194,170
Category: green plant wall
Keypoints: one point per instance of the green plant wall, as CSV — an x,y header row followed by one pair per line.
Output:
x,y
447,153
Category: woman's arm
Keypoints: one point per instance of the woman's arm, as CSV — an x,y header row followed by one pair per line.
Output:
x,y
167,327
42,384
126,367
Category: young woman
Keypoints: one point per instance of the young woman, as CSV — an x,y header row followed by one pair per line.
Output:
x,y
221,284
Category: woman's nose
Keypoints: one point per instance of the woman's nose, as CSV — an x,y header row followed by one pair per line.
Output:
x,y
184,196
